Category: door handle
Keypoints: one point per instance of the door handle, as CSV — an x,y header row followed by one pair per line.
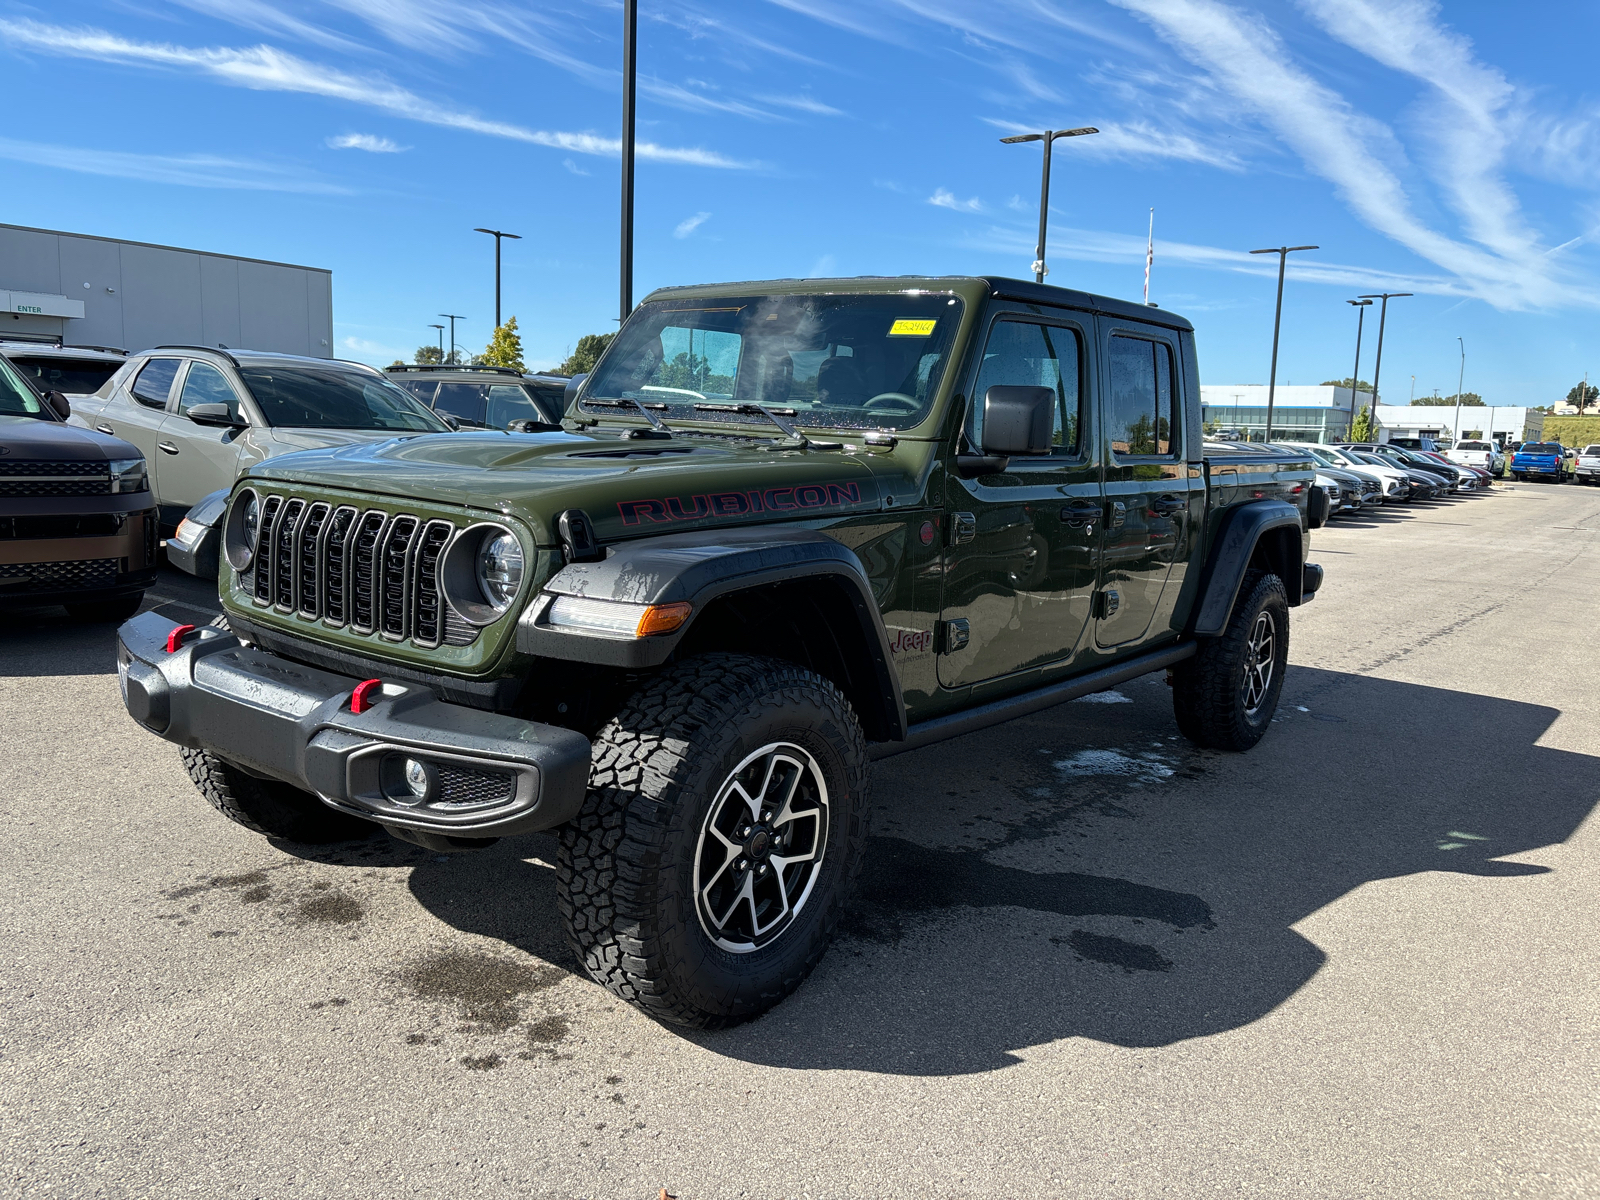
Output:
x,y
1167,505
104,428
166,447
1081,513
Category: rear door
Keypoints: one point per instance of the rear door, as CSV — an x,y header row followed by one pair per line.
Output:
x,y
1022,545
197,459
1149,489
138,407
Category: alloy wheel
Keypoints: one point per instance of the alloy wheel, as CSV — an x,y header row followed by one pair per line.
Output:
x,y
1260,653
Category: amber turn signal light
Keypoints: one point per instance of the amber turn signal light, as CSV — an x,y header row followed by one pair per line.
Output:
x,y
664,618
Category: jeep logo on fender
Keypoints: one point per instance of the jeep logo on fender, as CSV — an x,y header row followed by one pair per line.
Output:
x,y
911,641
737,504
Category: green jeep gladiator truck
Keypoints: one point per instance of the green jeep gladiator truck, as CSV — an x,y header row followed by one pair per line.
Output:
x,y
786,528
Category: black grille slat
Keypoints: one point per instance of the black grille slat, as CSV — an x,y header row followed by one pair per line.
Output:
x,y
335,549
308,541
425,627
283,554
47,477
394,593
262,590
64,576
363,559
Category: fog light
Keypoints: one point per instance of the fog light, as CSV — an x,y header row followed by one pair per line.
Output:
x,y
418,778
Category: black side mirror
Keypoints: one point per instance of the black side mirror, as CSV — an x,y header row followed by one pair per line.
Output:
x,y
449,419
1017,420
59,402
218,415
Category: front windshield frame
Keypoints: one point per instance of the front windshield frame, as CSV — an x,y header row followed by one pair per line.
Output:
x,y
417,416
17,382
738,370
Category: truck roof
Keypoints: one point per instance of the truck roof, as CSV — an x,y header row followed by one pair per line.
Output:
x,y
999,286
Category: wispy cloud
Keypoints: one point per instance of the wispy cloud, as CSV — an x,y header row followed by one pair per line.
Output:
x,y
943,198
266,68
369,142
699,99
802,104
689,224
573,167
184,170
268,18
1135,140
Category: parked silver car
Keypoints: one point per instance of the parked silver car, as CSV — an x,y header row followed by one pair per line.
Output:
x,y
73,371
201,416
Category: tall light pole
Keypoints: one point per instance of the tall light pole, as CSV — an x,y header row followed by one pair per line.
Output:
x,y
1456,428
440,328
497,235
452,318
1048,137
630,70
1383,316
1283,253
1361,307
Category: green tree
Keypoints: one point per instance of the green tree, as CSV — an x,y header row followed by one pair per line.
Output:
x,y
1583,395
504,348
1468,400
1361,385
585,354
429,354
1364,428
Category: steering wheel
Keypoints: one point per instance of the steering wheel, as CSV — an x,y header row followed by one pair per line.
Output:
x,y
897,401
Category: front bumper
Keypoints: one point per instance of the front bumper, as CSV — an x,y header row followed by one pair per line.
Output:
x,y
46,558
490,775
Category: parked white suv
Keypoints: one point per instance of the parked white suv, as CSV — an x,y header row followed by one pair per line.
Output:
x,y
1588,469
1477,454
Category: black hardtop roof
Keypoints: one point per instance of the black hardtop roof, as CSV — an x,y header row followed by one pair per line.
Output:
x,y
999,286
468,370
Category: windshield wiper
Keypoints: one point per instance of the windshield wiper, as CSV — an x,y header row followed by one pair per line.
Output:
x,y
658,428
789,431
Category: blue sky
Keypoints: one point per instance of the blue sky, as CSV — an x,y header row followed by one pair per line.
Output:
x,y
1448,150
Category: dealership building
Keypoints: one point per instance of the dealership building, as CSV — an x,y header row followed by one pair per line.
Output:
x,y
96,291
1323,414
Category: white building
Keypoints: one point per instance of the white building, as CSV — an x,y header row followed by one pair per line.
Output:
x,y
1440,422
101,292
1299,413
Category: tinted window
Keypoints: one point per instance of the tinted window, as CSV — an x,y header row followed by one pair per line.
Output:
x,y
552,401
155,381
1021,352
16,398
1542,448
511,402
422,389
1472,445
1588,450
464,401
204,384
1139,409
336,398
841,361
74,376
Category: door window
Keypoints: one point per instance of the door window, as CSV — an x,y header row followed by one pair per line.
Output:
x,y
1034,355
463,401
1139,409
154,384
206,385
509,402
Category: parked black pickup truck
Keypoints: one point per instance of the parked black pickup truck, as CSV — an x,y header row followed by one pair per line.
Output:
x,y
786,528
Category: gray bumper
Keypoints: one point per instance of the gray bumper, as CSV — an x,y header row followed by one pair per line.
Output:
x,y
491,775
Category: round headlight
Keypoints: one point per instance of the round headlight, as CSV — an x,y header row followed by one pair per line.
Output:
x,y
239,530
500,569
252,520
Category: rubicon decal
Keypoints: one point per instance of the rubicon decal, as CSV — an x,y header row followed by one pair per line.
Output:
x,y
738,504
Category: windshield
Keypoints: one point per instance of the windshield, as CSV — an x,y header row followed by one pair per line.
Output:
x,y
334,397
16,397
72,375
838,361
1541,448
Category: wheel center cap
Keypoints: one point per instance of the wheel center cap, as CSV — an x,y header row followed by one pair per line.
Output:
x,y
758,845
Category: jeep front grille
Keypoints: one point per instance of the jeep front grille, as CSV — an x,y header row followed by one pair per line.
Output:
x,y
373,571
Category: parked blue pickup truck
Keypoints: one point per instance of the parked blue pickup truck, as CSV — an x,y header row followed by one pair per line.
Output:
x,y
1539,460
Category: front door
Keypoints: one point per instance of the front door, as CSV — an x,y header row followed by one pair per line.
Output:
x,y
1022,545
1148,484
197,459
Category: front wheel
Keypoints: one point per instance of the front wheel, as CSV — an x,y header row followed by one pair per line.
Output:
x,y
725,824
1224,696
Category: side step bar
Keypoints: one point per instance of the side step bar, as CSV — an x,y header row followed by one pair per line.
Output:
x,y
926,733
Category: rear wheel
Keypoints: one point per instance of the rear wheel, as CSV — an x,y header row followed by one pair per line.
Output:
x,y
1224,696
724,827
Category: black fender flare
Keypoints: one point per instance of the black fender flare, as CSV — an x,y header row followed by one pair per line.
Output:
x,y
1242,529
700,567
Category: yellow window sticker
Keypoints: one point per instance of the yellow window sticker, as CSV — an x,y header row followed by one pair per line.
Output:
x,y
907,328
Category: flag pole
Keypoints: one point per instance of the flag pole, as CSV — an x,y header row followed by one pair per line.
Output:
x,y
1149,256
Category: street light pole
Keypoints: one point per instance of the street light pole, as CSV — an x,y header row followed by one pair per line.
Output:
x,y
1361,307
630,68
497,235
1048,137
1377,370
1283,253
440,328
452,318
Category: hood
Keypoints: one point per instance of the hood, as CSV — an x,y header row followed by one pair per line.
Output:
x,y
629,488
294,438
29,437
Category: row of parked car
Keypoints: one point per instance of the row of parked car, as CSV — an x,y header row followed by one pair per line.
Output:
x,y
103,453
1359,475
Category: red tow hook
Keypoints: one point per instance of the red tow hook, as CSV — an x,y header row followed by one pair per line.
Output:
x,y
176,636
362,698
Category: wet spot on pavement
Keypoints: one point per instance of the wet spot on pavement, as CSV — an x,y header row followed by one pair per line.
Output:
x,y
484,1062
486,986
330,908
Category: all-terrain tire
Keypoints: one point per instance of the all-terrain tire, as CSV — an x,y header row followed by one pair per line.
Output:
x,y
94,612
662,772
1210,692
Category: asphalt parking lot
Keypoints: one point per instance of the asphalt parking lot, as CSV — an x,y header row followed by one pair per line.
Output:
x,y
1088,959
